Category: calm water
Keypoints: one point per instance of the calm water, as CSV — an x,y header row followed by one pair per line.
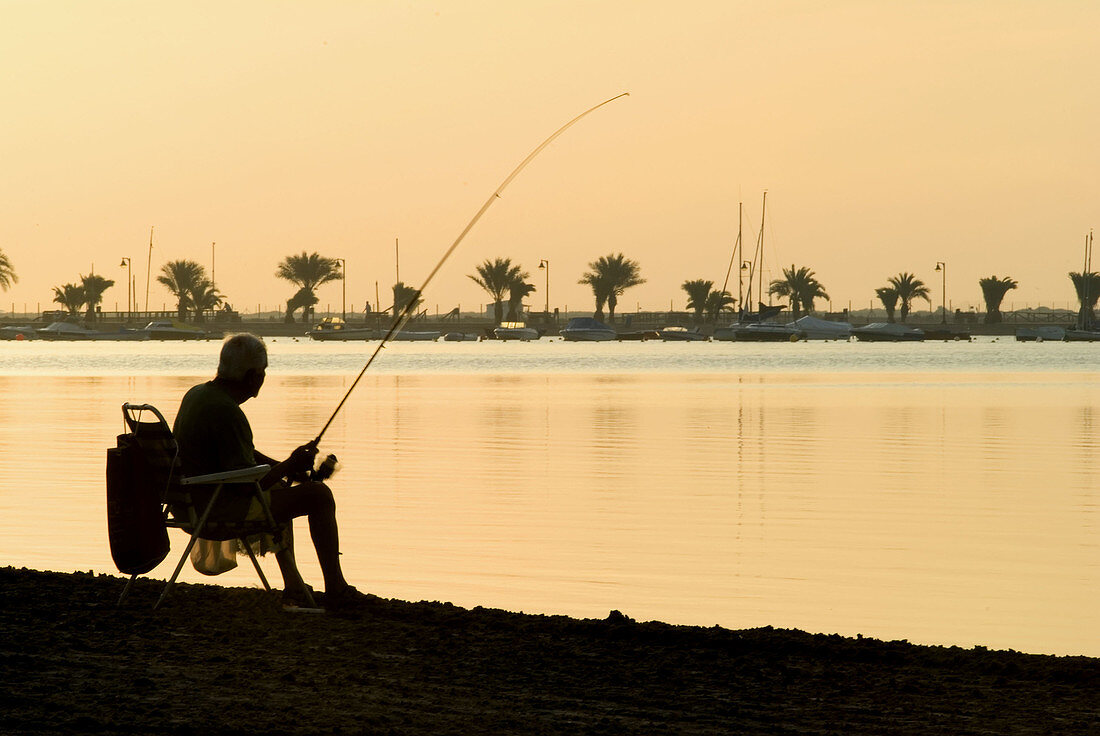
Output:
x,y
941,493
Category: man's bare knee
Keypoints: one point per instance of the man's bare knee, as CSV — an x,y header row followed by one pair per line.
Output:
x,y
318,497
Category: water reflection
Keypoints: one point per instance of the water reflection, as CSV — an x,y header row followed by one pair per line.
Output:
x,y
943,508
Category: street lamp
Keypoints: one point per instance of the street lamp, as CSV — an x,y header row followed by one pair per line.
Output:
x,y
129,279
344,293
546,264
740,293
942,267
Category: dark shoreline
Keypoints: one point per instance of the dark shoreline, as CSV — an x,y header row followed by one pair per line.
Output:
x,y
230,660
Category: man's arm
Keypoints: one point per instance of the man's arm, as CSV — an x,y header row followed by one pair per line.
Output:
x,y
299,462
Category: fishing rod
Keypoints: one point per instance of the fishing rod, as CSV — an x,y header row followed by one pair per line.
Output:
x,y
406,311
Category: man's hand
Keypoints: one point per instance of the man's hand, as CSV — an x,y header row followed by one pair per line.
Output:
x,y
301,460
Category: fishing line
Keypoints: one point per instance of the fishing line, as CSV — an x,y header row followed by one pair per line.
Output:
x,y
406,311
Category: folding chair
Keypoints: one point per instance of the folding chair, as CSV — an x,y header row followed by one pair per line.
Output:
x,y
159,477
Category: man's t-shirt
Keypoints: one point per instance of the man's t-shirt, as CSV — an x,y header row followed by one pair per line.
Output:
x,y
213,435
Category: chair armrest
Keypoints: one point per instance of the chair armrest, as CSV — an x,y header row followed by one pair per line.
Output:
x,y
243,475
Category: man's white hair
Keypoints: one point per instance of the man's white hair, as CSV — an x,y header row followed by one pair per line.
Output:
x,y
240,354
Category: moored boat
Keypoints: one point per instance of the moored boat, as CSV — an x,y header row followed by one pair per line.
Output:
x,y
16,332
65,331
813,328
641,335
1041,333
887,332
422,336
947,334
515,331
587,329
334,328
166,329
681,334
1074,335
766,332
460,337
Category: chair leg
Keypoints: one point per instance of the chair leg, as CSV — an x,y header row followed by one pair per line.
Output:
x,y
176,573
126,590
255,563
190,544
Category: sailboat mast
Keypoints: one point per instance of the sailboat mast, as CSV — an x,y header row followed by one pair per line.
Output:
x,y
734,255
1084,317
740,258
760,271
148,265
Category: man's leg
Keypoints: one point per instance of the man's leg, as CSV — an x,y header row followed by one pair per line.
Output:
x,y
293,585
314,501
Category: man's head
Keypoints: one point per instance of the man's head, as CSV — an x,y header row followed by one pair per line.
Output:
x,y
243,363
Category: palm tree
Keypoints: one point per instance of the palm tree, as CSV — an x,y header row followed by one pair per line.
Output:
x,y
302,299
801,287
181,278
1087,287
405,297
496,277
908,288
308,271
888,295
70,296
7,273
610,276
204,297
698,291
517,292
94,286
599,291
994,290
718,302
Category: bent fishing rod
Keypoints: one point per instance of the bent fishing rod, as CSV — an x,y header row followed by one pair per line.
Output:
x,y
406,311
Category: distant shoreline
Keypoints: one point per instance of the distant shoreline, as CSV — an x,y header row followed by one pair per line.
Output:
x,y
218,659
483,327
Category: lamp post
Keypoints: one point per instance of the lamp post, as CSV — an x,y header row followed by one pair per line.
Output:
x,y
129,278
740,293
344,289
546,264
942,267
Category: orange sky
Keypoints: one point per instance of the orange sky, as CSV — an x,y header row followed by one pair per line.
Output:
x,y
889,136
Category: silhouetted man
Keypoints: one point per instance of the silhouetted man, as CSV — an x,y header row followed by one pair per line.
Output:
x,y
214,435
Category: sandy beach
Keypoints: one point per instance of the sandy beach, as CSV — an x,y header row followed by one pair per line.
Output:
x,y
230,660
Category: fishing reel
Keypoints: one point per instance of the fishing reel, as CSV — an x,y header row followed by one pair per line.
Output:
x,y
325,469
322,469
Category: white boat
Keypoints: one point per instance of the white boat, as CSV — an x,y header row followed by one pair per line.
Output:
x,y
1041,333
887,332
460,337
676,333
12,332
166,329
813,328
758,332
515,331
65,331
334,328
586,329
